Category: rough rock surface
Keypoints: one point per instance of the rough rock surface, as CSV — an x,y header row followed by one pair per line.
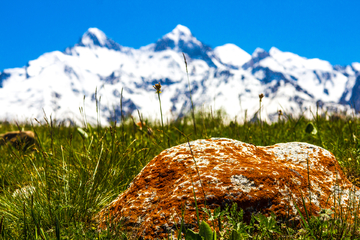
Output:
x,y
259,179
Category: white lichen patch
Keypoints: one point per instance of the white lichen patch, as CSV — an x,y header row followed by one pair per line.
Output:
x,y
296,152
343,196
243,183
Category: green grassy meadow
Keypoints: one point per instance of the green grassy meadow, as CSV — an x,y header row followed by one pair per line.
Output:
x,y
54,189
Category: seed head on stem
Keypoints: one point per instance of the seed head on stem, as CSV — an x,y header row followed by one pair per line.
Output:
x,y
279,114
157,88
261,96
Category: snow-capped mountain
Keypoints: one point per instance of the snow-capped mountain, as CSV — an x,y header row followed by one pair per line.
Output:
x,y
226,77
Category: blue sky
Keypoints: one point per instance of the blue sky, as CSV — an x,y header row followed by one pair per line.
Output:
x,y
325,29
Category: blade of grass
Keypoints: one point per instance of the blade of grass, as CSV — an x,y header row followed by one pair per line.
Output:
x,y
192,104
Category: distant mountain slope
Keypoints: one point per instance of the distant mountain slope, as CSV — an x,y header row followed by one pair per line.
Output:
x,y
225,77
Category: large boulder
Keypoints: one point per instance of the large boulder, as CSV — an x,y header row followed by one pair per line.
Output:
x,y
259,179
18,139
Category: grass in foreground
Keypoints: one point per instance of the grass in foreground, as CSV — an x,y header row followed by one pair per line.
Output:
x,y
54,191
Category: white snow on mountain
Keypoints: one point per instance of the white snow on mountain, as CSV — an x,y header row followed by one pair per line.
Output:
x,y
356,66
232,55
315,72
178,39
94,37
226,77
181,33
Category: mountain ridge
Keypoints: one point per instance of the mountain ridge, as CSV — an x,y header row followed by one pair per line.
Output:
x,y
58,81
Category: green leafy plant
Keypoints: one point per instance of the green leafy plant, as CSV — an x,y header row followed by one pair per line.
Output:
x,y
310,129
205,233
267,225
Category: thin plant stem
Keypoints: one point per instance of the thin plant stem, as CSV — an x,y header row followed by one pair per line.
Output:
x,y
197,170
261,125
192,104
158,91
196,207
162,122
309,183
122,115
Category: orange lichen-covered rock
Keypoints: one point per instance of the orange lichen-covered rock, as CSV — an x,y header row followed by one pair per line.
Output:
x,y
259,179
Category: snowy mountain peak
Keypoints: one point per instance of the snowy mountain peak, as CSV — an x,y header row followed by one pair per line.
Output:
x,y
180,40
286,57
231,54
256,57
259,53
273,51
94,37
356,66
180,33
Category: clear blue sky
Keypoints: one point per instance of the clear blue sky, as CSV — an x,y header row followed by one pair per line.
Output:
x,y
325,29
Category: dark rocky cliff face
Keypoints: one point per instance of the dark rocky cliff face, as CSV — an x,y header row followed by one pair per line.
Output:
x,y
3,77
355,95
192,49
